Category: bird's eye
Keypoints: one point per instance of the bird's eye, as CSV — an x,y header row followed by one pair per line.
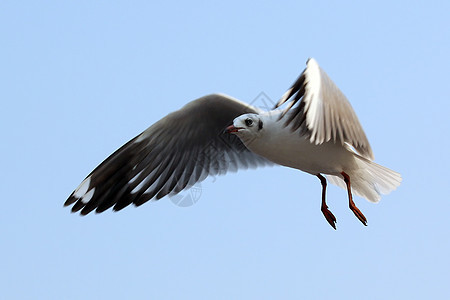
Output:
x,y
249,122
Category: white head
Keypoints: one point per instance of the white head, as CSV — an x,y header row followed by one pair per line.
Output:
x,y
247,127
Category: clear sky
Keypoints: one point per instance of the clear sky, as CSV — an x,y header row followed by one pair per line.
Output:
x,y
80,78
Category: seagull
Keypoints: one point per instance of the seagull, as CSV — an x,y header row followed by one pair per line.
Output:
x,y
312,128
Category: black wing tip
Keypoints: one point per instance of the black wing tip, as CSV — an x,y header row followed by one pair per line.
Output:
x,y
85,209
79,205
69,202
122,204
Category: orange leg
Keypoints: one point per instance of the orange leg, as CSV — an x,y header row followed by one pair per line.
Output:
x,y
351,204
324,208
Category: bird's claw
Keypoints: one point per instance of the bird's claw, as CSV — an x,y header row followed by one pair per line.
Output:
x,y
359,215
329,216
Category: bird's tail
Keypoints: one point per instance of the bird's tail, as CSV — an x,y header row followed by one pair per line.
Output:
x,y
369,180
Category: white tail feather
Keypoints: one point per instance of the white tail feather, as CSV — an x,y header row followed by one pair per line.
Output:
x,y
370,180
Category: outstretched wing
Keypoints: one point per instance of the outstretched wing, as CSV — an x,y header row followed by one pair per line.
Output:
x,y
321,111
173,154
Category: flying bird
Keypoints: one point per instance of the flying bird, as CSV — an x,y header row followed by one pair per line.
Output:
x,y
313,128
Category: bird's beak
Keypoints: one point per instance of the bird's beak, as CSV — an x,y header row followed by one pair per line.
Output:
x,y
231,129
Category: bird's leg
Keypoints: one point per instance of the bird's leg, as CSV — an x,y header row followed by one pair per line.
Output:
x,y
324,208
351,204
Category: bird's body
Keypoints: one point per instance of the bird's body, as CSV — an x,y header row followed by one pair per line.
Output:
x,y
279,144
318,133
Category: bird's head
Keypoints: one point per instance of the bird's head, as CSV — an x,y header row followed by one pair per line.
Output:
x,y
247,127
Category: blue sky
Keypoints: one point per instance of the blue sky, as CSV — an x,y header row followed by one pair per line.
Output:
x,y
80,78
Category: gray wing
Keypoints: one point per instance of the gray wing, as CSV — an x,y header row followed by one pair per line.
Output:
x,y
173,154
323,112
